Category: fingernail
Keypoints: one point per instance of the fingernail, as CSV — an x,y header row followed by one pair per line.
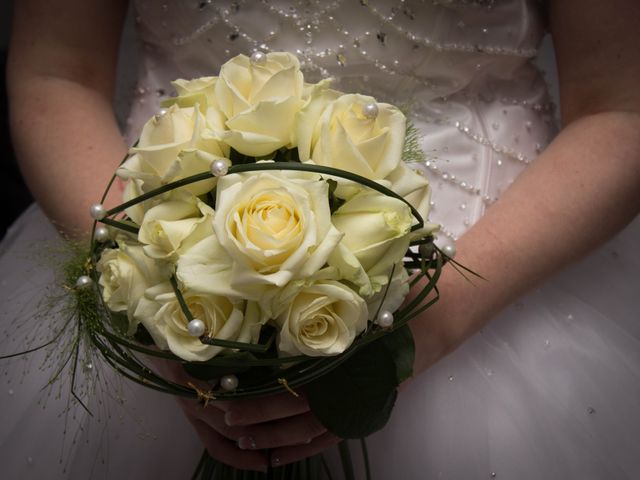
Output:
x,y
247,443
228,418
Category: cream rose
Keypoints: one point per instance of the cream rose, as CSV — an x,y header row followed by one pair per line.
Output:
x,y
207,267
199,91
172,146
392,295
322,319
173,226
125,273
260,102
275,226
376,236
336,132
415,189
224,319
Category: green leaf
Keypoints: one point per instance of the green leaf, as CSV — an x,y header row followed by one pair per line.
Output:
x,y
334,202
400,345
355,399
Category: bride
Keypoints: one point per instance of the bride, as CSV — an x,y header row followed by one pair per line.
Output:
x,y
532,374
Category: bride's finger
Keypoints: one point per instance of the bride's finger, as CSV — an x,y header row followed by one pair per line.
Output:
x,y
266,409
227,451
285,455
214,417
300,429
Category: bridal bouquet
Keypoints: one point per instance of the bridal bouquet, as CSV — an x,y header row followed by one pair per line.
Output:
x,y
270,232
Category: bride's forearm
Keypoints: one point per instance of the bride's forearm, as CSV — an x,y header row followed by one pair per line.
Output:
x,y
68,146
583,189
60,83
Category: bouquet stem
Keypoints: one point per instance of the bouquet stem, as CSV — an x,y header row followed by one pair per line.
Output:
x,y
311,468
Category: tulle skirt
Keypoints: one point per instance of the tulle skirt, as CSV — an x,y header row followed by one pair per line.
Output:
x,y
549,389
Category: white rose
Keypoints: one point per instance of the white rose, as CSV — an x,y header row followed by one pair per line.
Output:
x,y
376,236
125,273
163,317
199,91
260,102
322,319
172,146
275,226
207,267
336,133
415,189
173,226
392,296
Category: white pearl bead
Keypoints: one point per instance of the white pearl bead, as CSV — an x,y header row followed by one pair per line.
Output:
x,y
370,110
101,234
219,167
258,58
229,383
385,319
449,250
196,327
83,281
97,211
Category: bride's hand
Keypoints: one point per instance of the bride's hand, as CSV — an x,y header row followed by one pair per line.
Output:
x,y
250,434
281,423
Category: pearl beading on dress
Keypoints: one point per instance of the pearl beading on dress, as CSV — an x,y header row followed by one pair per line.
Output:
x,y
384,42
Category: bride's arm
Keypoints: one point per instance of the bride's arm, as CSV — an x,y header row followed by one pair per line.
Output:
x,y
581,190
60,77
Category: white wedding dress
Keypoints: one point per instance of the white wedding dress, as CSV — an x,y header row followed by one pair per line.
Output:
x,y
548,390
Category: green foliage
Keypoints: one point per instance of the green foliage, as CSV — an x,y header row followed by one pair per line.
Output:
x,y
334,202
355,399
400,345
412,150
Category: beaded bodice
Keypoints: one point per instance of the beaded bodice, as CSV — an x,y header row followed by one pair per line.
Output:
x,y
461,67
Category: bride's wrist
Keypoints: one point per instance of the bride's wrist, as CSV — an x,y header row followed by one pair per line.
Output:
x,y
456,316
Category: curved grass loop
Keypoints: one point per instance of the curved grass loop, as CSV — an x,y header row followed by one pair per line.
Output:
x,y
121,351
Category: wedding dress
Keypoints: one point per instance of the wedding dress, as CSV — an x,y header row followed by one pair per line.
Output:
x,y
549,389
